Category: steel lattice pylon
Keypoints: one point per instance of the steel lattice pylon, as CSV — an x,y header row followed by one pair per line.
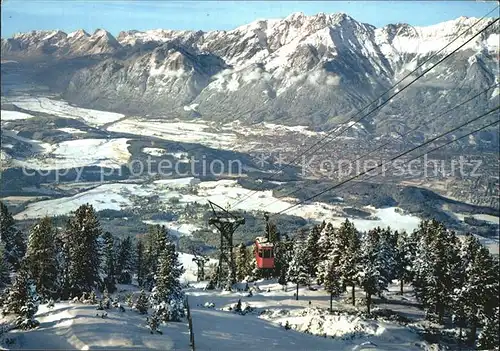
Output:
x,y
226,223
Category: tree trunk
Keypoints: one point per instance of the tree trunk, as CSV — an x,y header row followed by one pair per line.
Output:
x,y
368,302
440,313
297,293
353,294
331,302
401,286
472,336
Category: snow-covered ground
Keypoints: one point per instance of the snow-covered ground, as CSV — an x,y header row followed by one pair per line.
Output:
x,y
176,228
13,115
108,196
72,130
75,326
187,132
118,196
62,109
111,153
154,151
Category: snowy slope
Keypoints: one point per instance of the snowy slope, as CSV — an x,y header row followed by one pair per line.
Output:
x,y
76,326
61,109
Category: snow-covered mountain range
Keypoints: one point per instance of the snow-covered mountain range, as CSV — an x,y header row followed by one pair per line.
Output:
x,y
313,70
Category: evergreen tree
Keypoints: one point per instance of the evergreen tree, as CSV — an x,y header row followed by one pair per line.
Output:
x,y
404,257
436,268
349,236
82,237
156,241
374,265
388,247
332,279
142,303
62,246
313,250
11,238
272,232
19,294
41,257
283,256
23,300
4,268
125,262
167,294
333,246
154,322
326,240
243,262
140,268
489,336
298,271
479,292
108,262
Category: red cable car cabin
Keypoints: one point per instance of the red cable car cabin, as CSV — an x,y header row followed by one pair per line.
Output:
x,y
264,253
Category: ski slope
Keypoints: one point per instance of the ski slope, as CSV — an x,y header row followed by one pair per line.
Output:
x,y
76,326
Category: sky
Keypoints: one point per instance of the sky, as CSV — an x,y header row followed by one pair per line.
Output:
x,y
118,15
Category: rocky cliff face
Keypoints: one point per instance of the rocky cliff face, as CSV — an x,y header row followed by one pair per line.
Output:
x,y
314,70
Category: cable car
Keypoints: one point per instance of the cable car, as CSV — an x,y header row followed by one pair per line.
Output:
x,y
264,253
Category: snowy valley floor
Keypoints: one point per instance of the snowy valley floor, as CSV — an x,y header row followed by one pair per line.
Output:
x,y
76,326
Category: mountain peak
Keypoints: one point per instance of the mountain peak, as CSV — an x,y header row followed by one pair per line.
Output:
x,y
80,33
102,33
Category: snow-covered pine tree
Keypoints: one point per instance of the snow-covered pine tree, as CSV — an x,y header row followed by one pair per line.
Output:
x,y
332,280
422,267
4,268
333,245
325,241
62,262
125,262
19,294
108,262
243,262
283,256
489,336
156,241
26,319
404,258
142,303
298,270
154,322
168,290
459,294
41,258
82,237
436,267
350,256
313,250
274,235
479,294
12,239
373,265
23,300
388,249
140,268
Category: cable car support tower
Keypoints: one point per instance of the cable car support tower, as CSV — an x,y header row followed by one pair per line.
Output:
x,y
226,223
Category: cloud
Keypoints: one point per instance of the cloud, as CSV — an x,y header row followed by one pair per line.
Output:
x,y
321,77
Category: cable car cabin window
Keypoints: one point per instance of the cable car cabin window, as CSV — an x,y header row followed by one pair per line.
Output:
x,y
260,252
267,253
